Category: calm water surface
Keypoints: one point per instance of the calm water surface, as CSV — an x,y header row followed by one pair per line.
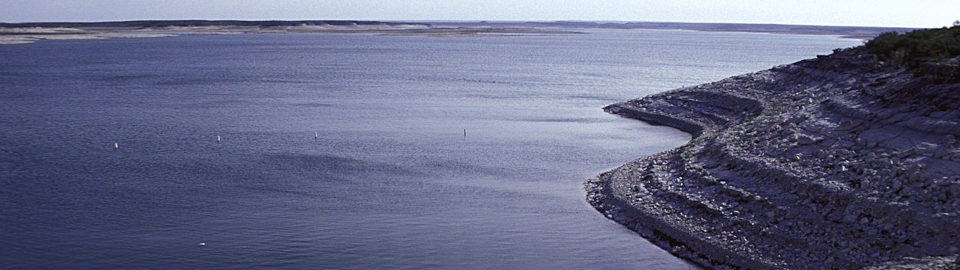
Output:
x,y
309,151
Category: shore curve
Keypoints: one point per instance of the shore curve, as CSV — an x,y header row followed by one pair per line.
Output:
x,y
837,162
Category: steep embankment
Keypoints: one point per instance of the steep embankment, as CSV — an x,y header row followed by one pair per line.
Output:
x,y
837,162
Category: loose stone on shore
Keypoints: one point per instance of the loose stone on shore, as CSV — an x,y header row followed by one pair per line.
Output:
x,y
850,172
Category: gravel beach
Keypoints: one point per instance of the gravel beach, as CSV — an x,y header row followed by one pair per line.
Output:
x,y
838,162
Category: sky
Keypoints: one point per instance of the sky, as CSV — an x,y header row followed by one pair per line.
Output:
x,y
886,13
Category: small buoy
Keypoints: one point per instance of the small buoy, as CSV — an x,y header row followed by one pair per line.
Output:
x,y
116,145
203,244
315,135
218,138
464,132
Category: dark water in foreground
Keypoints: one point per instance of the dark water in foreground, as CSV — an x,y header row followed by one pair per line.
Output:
x,y
339,151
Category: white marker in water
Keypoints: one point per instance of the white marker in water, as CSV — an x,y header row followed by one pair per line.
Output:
x,y
315,135
116,145
218,138
203,244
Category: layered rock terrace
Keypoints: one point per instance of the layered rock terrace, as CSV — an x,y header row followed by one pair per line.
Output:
x,y
838,162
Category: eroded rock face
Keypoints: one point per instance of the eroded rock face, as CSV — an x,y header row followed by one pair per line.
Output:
x,y
832,162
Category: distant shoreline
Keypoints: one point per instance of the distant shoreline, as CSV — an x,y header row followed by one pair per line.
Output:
x,y
18,33
843,31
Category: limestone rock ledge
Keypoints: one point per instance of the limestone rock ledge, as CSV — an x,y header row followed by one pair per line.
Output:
x,y
836,162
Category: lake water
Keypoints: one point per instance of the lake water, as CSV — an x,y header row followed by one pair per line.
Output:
x,y
355,151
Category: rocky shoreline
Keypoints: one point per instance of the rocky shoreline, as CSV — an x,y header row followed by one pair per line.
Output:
x,y
838,162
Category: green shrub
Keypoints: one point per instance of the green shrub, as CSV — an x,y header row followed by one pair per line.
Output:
x,y
937,43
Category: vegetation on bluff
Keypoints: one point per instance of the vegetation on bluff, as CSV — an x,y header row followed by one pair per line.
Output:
x,y
937,44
